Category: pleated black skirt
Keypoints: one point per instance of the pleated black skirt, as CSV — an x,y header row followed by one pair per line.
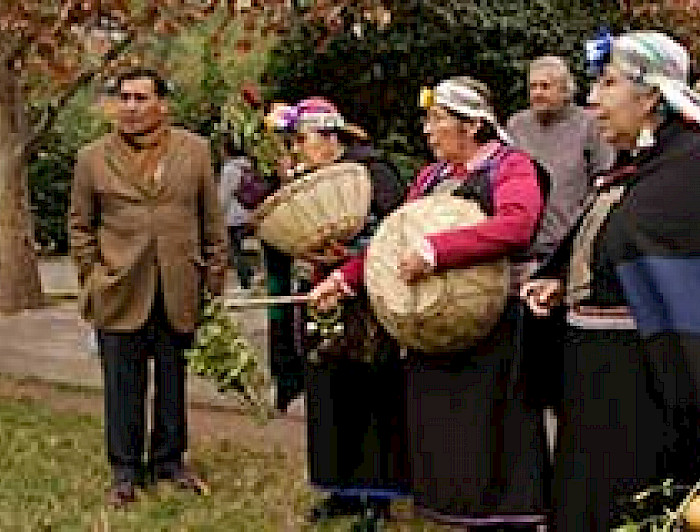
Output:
x,y
356,428
611,431
476,446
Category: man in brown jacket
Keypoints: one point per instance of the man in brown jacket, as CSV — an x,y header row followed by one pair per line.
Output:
x,y
146,232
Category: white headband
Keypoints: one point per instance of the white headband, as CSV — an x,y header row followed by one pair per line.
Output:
x,y
466,101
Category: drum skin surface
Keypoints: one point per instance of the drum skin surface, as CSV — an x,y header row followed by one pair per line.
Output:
x,y
448,311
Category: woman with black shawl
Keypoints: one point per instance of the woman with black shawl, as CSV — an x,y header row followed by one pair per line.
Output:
x,y
628,281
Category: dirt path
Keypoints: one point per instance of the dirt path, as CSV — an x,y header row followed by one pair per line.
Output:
x,y
206,424
43,347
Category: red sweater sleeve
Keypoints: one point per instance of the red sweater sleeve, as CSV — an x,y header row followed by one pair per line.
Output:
x,y
517,206
353,271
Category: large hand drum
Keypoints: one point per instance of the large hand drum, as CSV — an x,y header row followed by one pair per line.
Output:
x,y
447,311
306,215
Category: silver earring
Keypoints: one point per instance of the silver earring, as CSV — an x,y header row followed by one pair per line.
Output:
x,y
646,138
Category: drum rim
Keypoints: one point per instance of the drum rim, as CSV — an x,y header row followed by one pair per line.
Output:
x,y
302,182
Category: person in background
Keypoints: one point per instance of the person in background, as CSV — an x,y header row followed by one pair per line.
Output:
x,y
235,166
563,138
146,233
627,283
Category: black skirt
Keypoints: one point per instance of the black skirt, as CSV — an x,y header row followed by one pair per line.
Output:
x,y
610,436
476,446
356,413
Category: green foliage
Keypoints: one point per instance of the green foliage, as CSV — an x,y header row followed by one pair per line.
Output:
x,y
198,108
208,73
221,353
656,508
679,20
50,168
375,73
243,127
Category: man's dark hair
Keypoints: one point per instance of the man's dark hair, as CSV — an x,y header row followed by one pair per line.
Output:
x,y
160,84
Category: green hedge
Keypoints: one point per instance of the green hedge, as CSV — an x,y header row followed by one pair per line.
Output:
x,y
50,168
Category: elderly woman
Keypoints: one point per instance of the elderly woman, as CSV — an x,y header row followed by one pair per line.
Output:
x,y
628,279
476,449
354,409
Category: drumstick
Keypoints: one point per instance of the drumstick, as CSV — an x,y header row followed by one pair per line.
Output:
x,y
251,302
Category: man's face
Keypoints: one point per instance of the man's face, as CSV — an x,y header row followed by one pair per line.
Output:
x,y
139,109
547,90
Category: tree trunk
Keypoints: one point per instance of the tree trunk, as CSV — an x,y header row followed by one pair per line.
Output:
x,y
20,286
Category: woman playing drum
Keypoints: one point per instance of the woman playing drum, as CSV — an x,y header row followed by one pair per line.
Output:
x,y
354,409
475,446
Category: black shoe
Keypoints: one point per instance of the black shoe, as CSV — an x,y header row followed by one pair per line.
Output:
x,y
372,517
121,494
380,507
287,391
336,506
184,478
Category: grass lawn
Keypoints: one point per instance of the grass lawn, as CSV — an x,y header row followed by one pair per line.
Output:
x,y
53,476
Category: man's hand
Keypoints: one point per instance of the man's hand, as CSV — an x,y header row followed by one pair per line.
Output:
x,y
327,294
542,295
413,267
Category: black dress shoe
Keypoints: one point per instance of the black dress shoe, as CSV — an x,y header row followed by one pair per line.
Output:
x,y
121,494
287,390
336,506
380,507
374,513
369,522
185,479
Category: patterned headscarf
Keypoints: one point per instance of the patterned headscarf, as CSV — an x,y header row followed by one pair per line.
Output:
x,y
461,95
311,114
318,114
652,59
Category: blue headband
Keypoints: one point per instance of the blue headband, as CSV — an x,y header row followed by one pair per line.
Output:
x,y
598,52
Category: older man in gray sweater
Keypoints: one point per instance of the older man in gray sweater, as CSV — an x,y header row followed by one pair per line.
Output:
x,y
563,138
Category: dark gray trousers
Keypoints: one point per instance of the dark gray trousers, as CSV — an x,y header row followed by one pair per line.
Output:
x,y
124,362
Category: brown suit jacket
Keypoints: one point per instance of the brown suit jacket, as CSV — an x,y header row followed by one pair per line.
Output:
x,y
125,230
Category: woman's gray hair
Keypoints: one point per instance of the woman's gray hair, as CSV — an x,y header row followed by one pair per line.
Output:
x,y
559,66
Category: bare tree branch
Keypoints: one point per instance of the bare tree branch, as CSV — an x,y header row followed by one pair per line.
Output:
x,y
48,118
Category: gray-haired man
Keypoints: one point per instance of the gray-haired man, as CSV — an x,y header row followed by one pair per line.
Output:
x,y
563,138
